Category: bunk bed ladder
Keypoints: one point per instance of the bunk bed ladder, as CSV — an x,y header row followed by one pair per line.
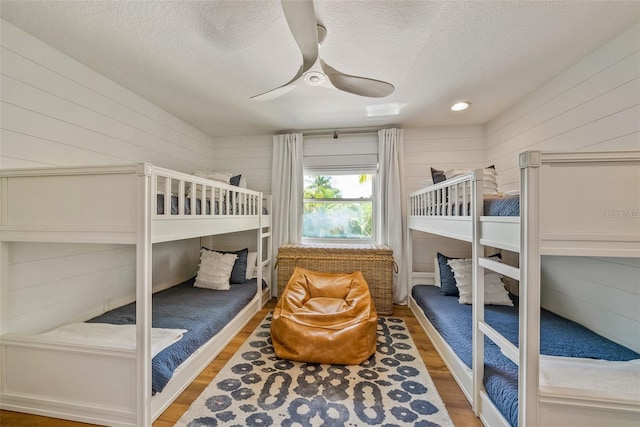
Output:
x,y
526,355
264,232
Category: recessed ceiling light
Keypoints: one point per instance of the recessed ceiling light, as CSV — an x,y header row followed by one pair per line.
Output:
x,y
459,106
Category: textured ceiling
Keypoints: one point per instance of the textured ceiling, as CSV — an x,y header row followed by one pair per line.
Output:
x,y
203,60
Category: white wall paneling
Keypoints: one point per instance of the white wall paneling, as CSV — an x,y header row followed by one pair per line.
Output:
x,y
57,112
228,242
42,87
246,155
441,148
251,157
594,105
600,293
65,282
71,282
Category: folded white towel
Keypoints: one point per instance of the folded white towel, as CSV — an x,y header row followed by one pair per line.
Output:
x,y
112,336
591,378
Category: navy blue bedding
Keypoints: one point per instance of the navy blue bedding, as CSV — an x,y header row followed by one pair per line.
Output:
x,y
493,206
502,206
558,337
202,312
187,206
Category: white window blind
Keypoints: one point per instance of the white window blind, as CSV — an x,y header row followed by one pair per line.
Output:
x,y
348,154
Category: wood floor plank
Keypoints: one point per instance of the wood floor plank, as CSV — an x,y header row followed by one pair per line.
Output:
x,y
453,398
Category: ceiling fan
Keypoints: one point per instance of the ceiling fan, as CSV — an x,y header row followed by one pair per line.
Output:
x,y
314,71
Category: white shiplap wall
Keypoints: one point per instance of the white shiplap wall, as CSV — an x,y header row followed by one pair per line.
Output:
x,y
57,112
592,106
441,148
246,155
249,156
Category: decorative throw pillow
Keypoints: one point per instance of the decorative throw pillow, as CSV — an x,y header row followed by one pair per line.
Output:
x,y
437,175
252,261
447,279
494,290
239,273
448,284
235,180
215,270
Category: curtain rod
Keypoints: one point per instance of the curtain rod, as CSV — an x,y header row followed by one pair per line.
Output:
x,y
337,132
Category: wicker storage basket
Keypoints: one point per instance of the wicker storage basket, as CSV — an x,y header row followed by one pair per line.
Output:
x,y
374,261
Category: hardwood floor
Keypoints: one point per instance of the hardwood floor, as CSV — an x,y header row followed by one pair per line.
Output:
x,y
457,405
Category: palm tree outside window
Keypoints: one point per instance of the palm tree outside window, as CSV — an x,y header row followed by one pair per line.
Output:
x,y
338,208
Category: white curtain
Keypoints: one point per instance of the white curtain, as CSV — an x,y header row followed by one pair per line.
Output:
x,y
287,190
392,205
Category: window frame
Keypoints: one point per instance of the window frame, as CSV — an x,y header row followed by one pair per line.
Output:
x,y
373,200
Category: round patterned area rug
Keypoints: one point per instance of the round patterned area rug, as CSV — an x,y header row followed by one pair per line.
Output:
x,y
256,388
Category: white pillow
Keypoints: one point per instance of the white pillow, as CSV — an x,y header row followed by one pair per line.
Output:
x,y
452,173
436,271
494,290
489,173
223,177
215,270
216,176
252,261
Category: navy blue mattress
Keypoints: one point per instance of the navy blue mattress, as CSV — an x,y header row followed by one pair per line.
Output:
x,y
558,337
202,312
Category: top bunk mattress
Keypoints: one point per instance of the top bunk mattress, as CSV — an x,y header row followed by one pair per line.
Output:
x,y
234,208
558,337
501,206
202,312
493,205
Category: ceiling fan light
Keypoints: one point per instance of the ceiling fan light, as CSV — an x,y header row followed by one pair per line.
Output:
x,y
459,106
314,78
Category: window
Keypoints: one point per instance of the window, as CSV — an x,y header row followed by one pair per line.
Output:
x,y
340,187
339,207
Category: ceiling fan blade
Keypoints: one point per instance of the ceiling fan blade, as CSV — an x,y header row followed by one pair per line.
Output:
x,y
275,93
301,18
302,23
357,85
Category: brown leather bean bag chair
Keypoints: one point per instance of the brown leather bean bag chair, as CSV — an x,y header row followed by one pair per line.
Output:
x,y
325,318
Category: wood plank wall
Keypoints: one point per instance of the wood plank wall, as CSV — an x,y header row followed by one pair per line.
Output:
x,y
57,112
592,106
440,148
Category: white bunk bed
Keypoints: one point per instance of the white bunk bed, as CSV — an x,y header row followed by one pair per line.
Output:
x,y
555,219
122,205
